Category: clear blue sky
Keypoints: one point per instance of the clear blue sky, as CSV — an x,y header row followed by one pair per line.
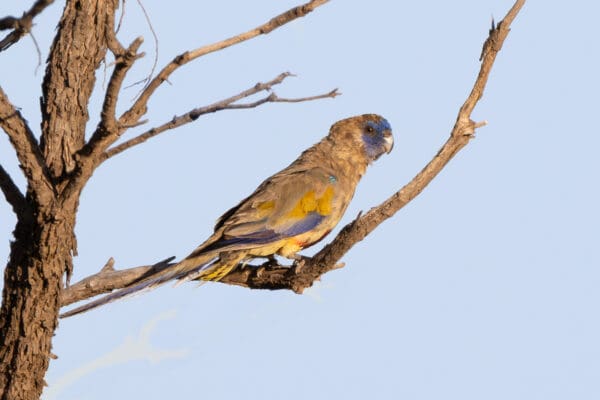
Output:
x,y
484,287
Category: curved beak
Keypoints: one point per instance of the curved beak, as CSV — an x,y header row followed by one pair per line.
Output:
x,y
389,141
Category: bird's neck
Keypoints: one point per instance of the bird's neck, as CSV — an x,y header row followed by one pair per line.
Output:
x,y
339,157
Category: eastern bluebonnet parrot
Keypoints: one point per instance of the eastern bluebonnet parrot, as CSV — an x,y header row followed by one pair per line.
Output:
x,y
291,210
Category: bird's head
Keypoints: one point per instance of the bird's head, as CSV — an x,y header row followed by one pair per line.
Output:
x,y
371,133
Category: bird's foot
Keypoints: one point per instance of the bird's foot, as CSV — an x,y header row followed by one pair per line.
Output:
x,y
298,264
271,261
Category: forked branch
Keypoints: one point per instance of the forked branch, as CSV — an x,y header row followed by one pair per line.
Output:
x,y
139,107
304,272
230,103
26,146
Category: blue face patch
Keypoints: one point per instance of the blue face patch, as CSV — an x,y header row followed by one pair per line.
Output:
x,y
373,138
381,126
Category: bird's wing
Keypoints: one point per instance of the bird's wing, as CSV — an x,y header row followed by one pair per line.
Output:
x,y
285,205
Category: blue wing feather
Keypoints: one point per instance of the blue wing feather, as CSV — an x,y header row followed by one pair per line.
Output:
x,y
311,221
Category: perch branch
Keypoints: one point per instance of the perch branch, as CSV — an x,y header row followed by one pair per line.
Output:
x,y
225,104
304,272
139,107
21,26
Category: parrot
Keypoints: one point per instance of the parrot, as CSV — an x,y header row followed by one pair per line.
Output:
x,y
289,211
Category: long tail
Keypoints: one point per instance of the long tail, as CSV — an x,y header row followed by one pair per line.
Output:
x,y
204,266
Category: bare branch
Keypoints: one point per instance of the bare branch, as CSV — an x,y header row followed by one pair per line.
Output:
x,y
26,147
139,107
225,104
303,273
38,51
108,130
123,63
107,280
21,26
13,195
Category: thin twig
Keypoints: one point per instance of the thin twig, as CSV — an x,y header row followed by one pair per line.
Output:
x,y
155,36
120,18
226,104
139,107
38,51
123,62
21,26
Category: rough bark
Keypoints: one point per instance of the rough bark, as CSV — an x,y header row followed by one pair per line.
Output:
x,y
74,57
30,303
44,237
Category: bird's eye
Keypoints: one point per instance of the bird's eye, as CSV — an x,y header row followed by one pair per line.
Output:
x,y
370,129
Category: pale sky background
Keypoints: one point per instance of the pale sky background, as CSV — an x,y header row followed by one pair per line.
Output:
x,y
485,287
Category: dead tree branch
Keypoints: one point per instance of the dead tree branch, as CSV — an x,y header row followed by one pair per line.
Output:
x,y
108,279
26,146
304,272
139,107
21,26
108,127
225,104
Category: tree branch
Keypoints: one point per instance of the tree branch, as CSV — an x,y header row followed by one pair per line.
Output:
x,y
13,195
108,279
21,26
26,147
225,104
139,107
66,95
108,130
303,273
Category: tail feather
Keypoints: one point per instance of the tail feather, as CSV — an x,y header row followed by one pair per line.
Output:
x,y
214,271
180,270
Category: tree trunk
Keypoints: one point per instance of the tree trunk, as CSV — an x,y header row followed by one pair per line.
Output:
x,y
44,236
30,303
